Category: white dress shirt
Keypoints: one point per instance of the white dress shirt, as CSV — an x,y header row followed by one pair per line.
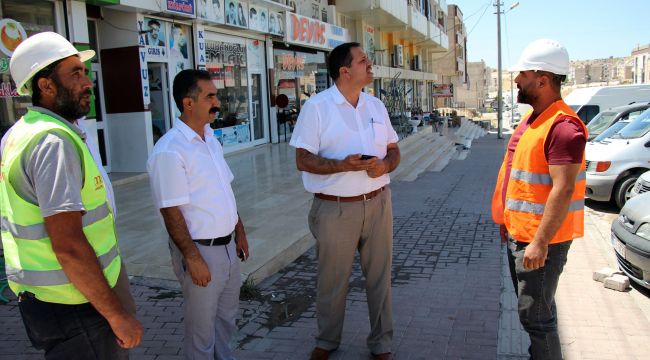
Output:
x,y
330,127
191,173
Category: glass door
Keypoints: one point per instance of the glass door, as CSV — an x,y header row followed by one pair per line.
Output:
x,y
100,115
159,99
259,122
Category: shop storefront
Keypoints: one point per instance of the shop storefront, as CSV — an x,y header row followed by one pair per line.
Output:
x,y
300,67
237,67
19,19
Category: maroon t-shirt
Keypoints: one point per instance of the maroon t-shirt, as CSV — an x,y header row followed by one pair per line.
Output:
x,y
564,145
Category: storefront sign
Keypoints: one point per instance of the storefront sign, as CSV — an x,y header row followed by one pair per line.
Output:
x,y
237,13
258,18
218,52
276,23
11,34
210,10
153,37
181,6
442,90
200,43
306,31
8,90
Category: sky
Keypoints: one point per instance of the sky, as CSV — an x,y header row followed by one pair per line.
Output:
x,y
589,29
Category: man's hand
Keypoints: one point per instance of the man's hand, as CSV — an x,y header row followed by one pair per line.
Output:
x,y
377,168
535,255
503,231
355,163
241,242
198,270
127,329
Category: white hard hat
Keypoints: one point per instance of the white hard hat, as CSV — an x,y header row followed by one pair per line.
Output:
x,y
36,53
545,55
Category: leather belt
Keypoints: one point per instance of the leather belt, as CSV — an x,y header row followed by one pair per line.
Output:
x,y
224,240
364,197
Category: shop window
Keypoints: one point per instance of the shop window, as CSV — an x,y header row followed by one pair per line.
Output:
x,y
19,19
298,75
226,62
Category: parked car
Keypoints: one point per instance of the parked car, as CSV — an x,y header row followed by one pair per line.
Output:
x,y
588,102
631,239
642,184
611,116
611,131
615,163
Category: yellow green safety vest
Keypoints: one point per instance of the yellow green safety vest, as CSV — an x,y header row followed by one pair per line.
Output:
x,y
30,261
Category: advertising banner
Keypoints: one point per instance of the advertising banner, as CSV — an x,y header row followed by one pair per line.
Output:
x,y
305,31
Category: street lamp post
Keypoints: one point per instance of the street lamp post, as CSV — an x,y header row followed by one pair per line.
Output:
x,y
499,80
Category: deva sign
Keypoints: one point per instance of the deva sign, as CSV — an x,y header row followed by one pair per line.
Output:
x,y
307,31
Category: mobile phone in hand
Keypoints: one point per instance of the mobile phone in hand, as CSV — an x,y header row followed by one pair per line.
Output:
x,y
367,157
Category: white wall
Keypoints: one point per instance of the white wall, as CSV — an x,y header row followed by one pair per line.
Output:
x,y
131,141
120,29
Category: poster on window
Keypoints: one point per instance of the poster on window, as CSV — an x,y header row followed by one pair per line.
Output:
x,y
232,135
230,75
217,74
153,36
178,48
258,18
211,10
236,13
276,23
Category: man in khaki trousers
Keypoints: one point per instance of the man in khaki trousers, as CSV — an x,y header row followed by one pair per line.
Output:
x,y
345,147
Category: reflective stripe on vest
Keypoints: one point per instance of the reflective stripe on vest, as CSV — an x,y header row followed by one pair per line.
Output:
x,y
52,277
38,231
535,178
535,208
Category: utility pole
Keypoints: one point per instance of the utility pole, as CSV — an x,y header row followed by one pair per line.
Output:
x,y
499,80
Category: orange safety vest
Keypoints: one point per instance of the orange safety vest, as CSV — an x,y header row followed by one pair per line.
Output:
x,y
530,183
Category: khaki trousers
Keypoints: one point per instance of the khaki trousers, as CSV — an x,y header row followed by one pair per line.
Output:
x,y
340,229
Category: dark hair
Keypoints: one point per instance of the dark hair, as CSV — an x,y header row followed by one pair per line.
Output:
x,y
46,72
153,22
340,56
186,85
556,80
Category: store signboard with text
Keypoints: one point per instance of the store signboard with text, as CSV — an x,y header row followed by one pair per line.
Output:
x,y
442,90
305,31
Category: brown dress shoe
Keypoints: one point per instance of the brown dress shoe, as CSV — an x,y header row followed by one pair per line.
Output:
x,y
319,354
384,356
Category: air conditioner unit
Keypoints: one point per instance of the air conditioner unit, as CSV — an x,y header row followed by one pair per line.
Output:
x,y
399,55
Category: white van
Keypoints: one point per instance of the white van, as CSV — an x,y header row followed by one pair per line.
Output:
x,y
588,102
615,163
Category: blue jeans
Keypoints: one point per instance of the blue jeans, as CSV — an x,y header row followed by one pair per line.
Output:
x,y
68,332
535,291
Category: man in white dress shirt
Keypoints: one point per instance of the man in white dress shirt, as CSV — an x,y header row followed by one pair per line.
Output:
x,y
190,182
345,147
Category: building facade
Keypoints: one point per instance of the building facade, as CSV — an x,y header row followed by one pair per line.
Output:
x,y
254,50
473,95
452,64
595,72
402,37
641,67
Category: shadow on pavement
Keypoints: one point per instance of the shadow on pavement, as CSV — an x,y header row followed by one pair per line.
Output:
x,y
602,206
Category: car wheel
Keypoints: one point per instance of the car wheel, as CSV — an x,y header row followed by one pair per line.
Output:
x,y
623,190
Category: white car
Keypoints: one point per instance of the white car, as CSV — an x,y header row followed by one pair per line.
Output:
x,y
642,184
615,163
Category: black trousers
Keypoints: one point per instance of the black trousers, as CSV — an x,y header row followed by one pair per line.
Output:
x,y
69,332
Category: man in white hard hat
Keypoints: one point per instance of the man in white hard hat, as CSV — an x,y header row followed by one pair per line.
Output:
x,y
58,228
539,197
